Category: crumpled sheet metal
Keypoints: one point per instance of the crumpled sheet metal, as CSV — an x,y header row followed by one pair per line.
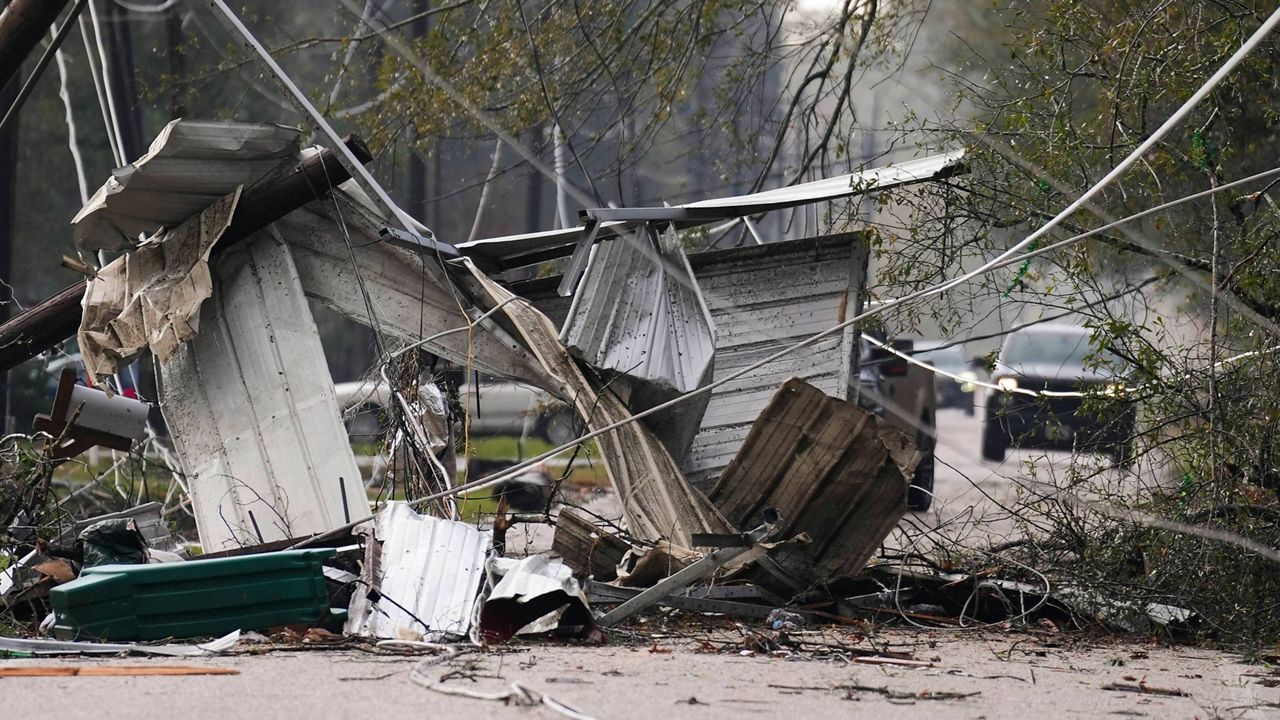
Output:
x,y
423,568
639,312
833,471
253,412
151,297
535,595
410,295
657,502
189,166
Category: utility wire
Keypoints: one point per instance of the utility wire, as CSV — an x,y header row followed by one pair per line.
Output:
x,y
41,64
118,149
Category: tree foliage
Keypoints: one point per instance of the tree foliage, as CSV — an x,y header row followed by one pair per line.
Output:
x,y
1074,88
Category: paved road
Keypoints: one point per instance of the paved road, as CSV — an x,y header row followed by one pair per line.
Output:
x,y
992,674
972,496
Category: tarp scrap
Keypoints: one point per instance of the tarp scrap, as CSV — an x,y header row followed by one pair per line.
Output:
x,y
151,297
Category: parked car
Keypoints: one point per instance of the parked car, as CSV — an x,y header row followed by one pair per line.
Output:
x,y
1056,358
903,394
496,407
952,393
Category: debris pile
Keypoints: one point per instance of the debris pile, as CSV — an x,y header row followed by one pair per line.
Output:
x,y
755,496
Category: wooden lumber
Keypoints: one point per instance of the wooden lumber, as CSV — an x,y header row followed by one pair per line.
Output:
x,y
110,670
587,548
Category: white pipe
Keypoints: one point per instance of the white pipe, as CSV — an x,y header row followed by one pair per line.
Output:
x,y
118,150
561,162
97,89
72,143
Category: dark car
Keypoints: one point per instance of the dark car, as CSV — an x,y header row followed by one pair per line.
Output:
x,y
1054,358
952,392
903,394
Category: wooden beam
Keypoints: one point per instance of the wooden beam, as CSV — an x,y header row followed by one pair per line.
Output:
x,y
110,670
58,317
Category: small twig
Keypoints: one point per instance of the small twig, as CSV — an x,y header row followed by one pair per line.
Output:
x,y
1145,689
897,695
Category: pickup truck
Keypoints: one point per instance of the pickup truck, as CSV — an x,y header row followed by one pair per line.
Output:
x,y
903,394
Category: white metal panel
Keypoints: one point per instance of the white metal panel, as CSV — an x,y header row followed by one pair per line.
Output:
x,y
335,245
190,165
639,312
857,183
764,298
252,410
427,569
561,242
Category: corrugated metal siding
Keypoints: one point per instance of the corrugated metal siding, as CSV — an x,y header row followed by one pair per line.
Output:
x,y
639,313
252,410
516,250
762,299
410,296
431,566
190,165
832,470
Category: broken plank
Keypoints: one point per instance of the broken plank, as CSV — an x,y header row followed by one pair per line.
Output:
x,y
586,547
110,670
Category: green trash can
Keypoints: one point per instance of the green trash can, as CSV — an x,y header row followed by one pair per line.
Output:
x,y
194,599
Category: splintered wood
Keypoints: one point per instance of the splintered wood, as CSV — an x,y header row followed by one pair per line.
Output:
x,y
834,472
587,548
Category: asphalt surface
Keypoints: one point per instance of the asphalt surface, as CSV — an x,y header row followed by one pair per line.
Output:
x,y
684,672
975,499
